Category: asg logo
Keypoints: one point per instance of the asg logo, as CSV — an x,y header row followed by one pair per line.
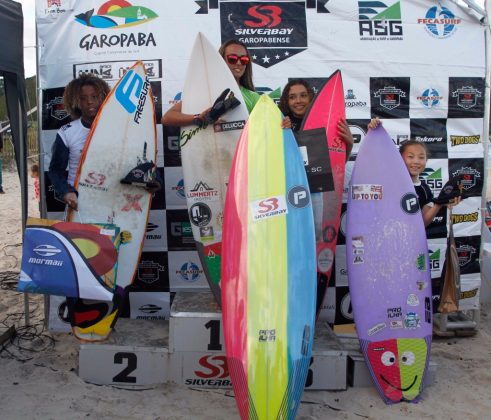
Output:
x,y
299,196
435,260
440,22
409,203
390,97
433,177
430,98
273,31
379,22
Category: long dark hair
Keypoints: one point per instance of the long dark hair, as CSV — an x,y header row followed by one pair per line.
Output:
x,y
286,92
71,96
246,78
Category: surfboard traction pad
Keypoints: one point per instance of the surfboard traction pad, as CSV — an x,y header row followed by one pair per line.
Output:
x,y
394,365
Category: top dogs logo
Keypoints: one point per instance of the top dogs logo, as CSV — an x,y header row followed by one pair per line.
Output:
x,y
272,31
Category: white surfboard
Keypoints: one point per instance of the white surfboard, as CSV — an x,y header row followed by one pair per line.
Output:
x,y
122,136
207,153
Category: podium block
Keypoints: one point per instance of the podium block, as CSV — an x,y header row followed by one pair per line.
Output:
x,y
135,354
195,323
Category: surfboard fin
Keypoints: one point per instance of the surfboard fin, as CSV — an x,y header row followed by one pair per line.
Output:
x,y
224,103
143,175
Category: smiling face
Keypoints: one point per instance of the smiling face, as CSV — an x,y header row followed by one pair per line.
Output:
x,y
89,103
415,159
298,100
237,69
399,366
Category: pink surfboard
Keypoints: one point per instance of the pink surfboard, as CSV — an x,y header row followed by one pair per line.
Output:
x,y
320,125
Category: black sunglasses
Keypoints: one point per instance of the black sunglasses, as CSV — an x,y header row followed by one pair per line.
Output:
x,y
234,58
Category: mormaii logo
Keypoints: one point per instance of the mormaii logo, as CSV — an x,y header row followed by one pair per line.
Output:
x,y
440,22
116,14
272,31
379,21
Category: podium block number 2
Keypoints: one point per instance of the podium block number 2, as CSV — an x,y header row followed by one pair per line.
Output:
x,y
131,364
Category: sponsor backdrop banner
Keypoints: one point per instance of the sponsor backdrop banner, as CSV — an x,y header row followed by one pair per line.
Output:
x,y
419,65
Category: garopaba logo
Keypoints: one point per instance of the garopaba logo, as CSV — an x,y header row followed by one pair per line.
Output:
x,y
430,98
115,14
380,22
132,93
433,177
351,100
440,22
272,31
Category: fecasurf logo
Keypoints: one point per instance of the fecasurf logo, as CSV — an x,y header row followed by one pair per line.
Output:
x,y
189,272
379,21
440,22
115,14
272,31
430,98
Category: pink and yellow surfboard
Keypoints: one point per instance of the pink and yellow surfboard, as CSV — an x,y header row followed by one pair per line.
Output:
x,y
268,269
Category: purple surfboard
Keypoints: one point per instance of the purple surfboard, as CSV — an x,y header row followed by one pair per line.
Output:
x,y
388,270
